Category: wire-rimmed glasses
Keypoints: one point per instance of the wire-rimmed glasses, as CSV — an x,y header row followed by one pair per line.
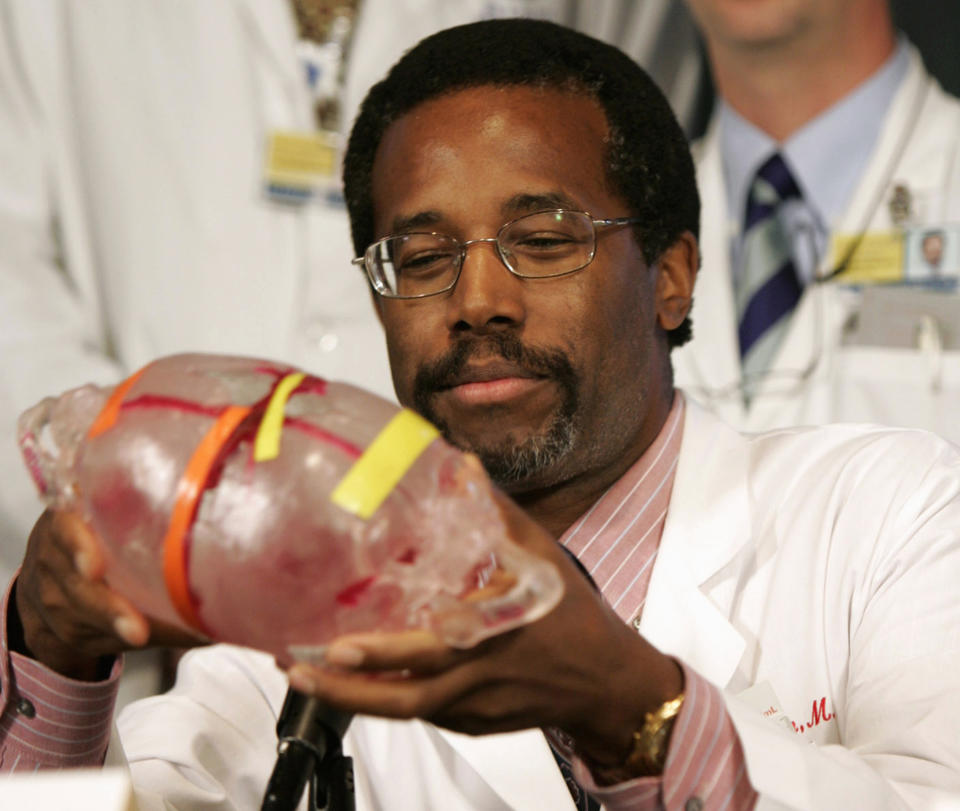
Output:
x,y
535,246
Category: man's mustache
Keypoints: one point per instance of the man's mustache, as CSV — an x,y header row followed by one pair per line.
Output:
x,y
446,370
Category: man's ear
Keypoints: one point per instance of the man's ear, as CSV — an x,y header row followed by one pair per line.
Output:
x,y
676,273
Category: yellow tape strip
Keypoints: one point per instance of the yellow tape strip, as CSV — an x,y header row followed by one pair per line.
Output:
x,y
266,445
372,477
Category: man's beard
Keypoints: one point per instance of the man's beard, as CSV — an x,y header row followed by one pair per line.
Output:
x,y
510,462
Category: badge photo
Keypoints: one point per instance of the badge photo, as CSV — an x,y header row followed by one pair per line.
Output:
x,y
932,254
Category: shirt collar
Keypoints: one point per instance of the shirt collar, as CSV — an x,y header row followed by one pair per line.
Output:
x,y
827,155
639,497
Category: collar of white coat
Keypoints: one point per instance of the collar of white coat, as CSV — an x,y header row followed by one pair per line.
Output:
x,y
707,525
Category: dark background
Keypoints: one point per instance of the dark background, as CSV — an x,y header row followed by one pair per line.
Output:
x,y
934,27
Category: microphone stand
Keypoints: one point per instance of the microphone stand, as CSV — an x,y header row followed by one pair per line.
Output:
x,y
309,749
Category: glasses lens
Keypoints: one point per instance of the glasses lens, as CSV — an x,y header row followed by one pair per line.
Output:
x,y
414,264
548,243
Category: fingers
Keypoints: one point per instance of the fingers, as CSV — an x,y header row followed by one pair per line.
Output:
x,y
389,693
70,616
397,698
81,573
163,634
471,695
72,538
419,651
398,675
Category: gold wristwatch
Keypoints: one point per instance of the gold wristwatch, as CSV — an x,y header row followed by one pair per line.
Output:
x,y
648,750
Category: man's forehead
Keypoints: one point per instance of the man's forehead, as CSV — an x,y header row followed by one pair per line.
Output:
x,y
506,150
509,118
514,206
496,100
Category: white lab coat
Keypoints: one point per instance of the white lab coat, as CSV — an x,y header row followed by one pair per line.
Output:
x,y
132,218
819,563
910,386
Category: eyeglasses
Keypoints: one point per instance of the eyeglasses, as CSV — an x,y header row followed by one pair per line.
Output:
x,y
535,246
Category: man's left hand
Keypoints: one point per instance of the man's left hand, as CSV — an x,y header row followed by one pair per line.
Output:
x,y
580,669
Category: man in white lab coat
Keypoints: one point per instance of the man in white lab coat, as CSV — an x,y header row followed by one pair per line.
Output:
x,y
873,144
792,638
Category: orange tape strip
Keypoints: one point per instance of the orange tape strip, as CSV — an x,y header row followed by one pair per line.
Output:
x,y
189,490
111,409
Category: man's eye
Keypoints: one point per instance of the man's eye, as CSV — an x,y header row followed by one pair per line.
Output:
x,y
544,241
423,261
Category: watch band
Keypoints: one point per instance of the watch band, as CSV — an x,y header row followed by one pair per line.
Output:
x,y
648,749
648,755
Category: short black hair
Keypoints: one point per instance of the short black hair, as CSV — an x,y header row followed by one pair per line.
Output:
x,y
648,158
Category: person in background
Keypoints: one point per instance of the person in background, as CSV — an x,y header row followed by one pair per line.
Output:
x,y
776,617
829,141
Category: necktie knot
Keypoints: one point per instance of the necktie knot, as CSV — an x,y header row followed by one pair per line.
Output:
x,y
772,184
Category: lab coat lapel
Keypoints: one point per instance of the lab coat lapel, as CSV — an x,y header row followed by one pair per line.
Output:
x,y
707,524
714,317
869,208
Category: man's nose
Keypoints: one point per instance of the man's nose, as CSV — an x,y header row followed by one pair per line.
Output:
x,y
487,295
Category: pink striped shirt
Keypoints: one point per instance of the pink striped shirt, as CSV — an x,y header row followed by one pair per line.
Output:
x,y
47,720
50,721
617,542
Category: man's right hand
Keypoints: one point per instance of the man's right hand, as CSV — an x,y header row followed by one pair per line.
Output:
x,y
70,617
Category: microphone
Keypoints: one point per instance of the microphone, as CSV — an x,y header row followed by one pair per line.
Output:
x,y
308,746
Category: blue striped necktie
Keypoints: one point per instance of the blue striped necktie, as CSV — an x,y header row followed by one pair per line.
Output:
x,y
767,288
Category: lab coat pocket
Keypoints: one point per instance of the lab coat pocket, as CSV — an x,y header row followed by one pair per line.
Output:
x,y
900,361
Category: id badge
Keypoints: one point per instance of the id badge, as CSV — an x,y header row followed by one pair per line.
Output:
x,y
876,258
299,166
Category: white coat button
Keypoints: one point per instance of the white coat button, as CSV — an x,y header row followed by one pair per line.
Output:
x,y
328,342
693,804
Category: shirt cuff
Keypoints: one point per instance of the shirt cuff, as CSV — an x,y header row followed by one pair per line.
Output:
x,y
705,761
49,720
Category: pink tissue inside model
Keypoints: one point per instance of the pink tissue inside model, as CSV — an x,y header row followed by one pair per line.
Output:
x,y
266,558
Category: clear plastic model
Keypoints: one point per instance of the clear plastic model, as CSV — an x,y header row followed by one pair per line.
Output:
x,y
262,506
